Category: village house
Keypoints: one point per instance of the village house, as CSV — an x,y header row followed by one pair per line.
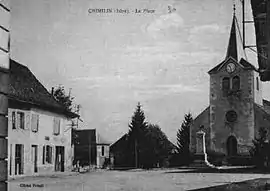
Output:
x,y
103,151
118,149
39,128
237,109
90,148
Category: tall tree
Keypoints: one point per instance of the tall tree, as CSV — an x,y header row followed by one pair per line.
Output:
x,y
67,101
136,132
183,138
60,95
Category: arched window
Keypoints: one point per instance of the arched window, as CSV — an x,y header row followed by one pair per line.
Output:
x,y
236,83
225,85
257,83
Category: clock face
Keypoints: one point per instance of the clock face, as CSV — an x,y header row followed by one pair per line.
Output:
x,y
230,67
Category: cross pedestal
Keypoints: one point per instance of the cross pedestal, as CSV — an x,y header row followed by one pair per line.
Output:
x,y
200,155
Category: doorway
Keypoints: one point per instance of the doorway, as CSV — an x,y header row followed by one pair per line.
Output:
x,y
18,159
231,146
60,158
34,157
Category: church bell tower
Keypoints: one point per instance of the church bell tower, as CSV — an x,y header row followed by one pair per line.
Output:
x,y
234,88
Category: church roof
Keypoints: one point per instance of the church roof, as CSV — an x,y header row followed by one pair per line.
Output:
x,y
262,110
266,102
232,46
232,53
266,105
243,63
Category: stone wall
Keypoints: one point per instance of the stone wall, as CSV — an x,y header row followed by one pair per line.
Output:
x,y
242,103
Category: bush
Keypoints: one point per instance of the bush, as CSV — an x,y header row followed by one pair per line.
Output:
x,y
240,160
260,150
216,158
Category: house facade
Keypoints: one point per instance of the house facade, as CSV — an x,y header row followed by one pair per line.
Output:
x,y
90,148
39,128
103,152
237,109
85,148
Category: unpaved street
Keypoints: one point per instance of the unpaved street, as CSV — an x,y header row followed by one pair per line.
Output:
x,y
158,180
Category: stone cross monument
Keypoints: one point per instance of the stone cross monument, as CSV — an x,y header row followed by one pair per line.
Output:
x,y
200,140
200,155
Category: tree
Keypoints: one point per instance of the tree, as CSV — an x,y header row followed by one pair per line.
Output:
x,y
260,152
183,138
157,147
136,133
66,100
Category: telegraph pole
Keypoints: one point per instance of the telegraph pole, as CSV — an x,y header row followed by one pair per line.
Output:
x,y
4,81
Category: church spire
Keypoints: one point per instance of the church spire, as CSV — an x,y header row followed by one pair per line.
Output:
x,y
232,46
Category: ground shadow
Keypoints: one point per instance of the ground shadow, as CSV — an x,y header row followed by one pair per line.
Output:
x,y
250,170
254,185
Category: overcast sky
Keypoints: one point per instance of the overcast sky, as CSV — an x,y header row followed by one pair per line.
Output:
x,y
113,61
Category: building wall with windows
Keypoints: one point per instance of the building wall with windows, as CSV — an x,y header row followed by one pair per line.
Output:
x,y
43,129
103,153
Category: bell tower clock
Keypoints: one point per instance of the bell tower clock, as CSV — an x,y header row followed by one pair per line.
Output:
x,y
230,67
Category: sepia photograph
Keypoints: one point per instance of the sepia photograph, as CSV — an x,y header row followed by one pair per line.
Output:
x,y
124,95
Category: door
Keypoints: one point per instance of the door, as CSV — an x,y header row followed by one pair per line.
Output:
x,y
232,146
59,158
18,159
34,157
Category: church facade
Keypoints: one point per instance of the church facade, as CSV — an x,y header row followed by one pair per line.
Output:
x,y
236,108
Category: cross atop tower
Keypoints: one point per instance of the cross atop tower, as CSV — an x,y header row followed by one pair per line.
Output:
x,y
234,8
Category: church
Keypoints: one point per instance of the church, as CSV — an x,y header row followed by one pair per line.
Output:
x,y
236,108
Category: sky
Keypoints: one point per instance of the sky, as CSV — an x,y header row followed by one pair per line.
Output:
x,y
112,61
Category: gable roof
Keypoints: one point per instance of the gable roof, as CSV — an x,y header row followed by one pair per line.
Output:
x,y
119,144
266,102
206,110
261,110
243,63
25,87
266,105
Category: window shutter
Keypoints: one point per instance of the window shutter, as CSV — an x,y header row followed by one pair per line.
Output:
x,y
18,120
44,155
22,120
27,121
13,120
37,125
34,122
50,155
56,126
47,153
